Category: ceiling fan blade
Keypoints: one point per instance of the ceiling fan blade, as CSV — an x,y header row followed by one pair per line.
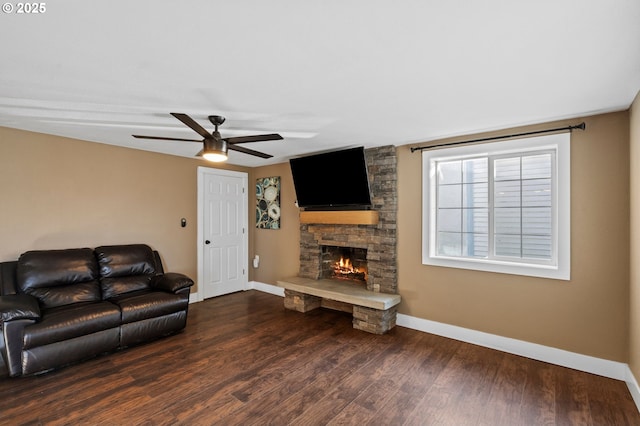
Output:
x,y
165,139
193,124
256,138
199,154
249,151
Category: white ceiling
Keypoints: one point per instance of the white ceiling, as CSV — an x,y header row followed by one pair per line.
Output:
x,y
323,73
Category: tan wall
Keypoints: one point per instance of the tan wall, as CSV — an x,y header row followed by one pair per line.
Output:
x,y
55,197
634,311
279,250
62,193
587,315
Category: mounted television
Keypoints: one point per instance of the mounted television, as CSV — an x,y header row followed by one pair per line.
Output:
x,y
336,180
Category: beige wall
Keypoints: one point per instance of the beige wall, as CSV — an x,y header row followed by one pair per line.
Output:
x,y
62,193
634,322
279,250
588,314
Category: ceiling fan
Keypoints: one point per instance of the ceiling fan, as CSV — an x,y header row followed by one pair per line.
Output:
x,y
215,146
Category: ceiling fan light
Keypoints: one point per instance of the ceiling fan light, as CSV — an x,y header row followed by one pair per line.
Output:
x,y
216,157
215,150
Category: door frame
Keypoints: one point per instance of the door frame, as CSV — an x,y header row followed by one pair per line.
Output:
x,y
202,172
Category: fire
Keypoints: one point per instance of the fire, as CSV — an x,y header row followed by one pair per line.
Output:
x,y
345,264
345,269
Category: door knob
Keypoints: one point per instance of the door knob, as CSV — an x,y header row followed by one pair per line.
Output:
x,y
207,242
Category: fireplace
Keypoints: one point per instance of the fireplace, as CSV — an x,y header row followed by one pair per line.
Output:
x,y
344,263
378,241
324,281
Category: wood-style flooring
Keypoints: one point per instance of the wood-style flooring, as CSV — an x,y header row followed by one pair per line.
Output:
x,y
244,360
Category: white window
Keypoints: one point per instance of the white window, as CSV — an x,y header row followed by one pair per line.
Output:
x,y
500,207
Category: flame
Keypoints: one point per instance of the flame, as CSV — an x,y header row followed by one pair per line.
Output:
x,y
345,264
345,267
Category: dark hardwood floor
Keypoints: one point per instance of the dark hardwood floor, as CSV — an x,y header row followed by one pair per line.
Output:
x,y
245,360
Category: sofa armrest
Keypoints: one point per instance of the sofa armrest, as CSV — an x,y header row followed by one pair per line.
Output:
x,y
18,306
171,282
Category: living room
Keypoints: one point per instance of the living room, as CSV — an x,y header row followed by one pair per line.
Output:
x,y
63,192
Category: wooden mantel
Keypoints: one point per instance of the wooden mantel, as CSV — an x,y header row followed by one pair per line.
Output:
x,y
340,217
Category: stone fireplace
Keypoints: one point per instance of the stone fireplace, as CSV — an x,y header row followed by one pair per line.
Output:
x,y
379,240
371,248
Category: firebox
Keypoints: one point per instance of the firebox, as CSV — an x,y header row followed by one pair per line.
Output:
x,y
344,263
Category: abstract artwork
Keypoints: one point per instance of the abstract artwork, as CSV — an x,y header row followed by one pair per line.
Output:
x,y
268,203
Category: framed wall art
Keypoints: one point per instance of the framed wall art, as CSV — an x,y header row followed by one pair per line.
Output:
x,y
268,203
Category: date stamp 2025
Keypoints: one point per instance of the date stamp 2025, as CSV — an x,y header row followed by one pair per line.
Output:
x,y
24,8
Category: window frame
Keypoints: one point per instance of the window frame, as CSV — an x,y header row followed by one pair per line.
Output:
x,y
560,265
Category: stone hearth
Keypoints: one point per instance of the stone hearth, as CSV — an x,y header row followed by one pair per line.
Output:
x,y
372,311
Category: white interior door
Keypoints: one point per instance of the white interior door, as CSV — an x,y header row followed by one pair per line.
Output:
x,y
224,232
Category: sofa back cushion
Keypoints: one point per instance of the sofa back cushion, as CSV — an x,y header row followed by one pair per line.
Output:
x,y
59,277
125,268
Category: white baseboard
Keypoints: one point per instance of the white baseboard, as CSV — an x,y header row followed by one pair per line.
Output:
x,y
589,364
195,297
632,384
266,288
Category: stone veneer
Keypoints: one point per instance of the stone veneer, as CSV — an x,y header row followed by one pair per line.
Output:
x,y
379,240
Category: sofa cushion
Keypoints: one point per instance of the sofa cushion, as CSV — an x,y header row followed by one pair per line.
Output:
x,y
123,260
59,277
66,322
112,287
125,268
146,304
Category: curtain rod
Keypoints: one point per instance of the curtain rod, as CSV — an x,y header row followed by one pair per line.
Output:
x,y
580,126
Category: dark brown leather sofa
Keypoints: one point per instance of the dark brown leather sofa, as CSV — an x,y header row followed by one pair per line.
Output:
x,y
61,306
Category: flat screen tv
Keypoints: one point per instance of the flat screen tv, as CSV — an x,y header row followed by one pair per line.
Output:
x,y
332,181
